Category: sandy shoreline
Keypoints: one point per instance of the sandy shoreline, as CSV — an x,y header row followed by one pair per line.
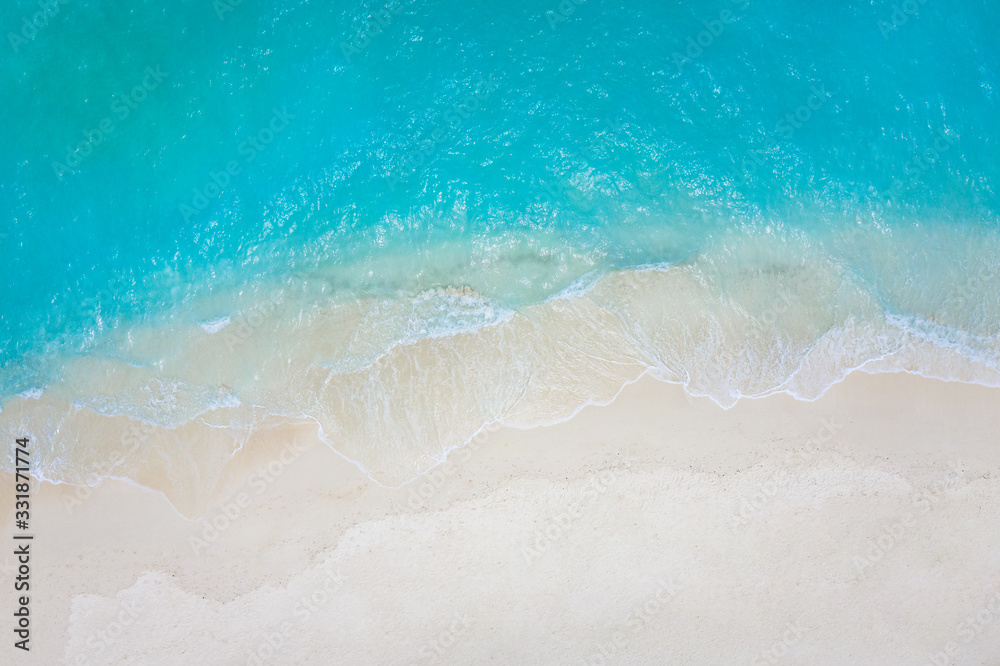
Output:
x,y
859,528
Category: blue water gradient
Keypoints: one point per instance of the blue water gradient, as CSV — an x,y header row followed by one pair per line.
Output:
x,y
511,147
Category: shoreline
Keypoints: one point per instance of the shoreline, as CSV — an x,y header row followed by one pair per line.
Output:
x,y
397,383
305,427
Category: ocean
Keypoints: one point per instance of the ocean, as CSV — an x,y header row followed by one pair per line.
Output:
x,y
406,221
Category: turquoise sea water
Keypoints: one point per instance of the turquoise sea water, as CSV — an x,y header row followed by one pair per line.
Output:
x,y
250,203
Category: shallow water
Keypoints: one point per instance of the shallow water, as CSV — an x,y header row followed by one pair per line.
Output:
x,y
479,213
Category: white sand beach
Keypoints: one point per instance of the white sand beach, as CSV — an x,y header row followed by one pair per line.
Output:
x,y
861,528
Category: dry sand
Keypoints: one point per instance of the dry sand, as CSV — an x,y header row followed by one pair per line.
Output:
x,y
862,528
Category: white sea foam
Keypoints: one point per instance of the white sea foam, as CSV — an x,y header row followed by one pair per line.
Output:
x,y
578,288
215,325
395,383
